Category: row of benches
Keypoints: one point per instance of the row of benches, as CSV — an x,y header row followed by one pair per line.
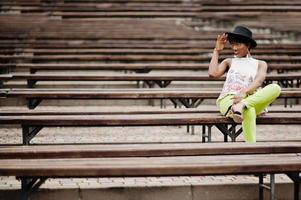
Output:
x,y
250,12
179,96
139,67
33,165
33,122
161,80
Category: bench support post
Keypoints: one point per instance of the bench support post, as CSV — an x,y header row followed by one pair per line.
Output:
x,y
295,177
28,132
270,187
31,83
32,71
161,84
187,102
33,103
206,135
29,186
231,132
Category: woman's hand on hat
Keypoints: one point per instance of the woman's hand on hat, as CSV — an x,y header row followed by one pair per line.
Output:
x,y
221,42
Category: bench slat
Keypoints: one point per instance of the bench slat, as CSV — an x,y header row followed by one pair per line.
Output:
x,y
145,150
149,93
152,166
135,66
131,112
142,119
135,77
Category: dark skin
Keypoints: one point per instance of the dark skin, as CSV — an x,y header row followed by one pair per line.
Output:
x,y
218,69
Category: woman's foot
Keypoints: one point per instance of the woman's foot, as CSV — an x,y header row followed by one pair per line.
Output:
x,y
237,112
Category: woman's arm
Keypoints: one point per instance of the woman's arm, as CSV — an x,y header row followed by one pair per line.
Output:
x,y
259,78
217,70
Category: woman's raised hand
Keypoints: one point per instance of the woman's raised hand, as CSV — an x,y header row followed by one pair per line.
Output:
x,y
221,42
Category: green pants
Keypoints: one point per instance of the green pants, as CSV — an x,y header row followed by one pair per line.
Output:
x,y
255,104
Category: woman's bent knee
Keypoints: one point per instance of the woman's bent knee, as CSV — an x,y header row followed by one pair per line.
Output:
x,y
275,88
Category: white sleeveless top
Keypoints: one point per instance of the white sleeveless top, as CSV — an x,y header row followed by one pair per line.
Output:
x,y
241,74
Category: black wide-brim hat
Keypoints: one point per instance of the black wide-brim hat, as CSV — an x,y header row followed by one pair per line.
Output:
x,y
242,33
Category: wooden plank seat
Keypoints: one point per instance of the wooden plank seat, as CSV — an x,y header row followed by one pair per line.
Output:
x,y
103,150
272,20
67,15
82,35
133,51
129,29
179,96
251,8
34,164
129,9
32,123
158,57
161,80
141,67
12,112
133,44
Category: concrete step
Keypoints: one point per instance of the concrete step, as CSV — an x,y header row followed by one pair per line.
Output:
x,y
150,188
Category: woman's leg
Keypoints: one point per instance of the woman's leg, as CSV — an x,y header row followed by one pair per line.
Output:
x,y
249,124
262,98
224,104
255,104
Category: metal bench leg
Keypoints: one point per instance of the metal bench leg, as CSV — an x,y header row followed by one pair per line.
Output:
x,y
209,133
206,135
24,189
260,187
33,103
224,129
203,133
31,83
192,130
28,132
271,187
29,186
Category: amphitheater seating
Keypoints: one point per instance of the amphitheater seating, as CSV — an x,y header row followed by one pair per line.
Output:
x,y
32,124
160,80
273,14
180,96
141,35
141,67
37,162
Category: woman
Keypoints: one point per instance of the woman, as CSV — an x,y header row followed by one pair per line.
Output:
x,y
241,98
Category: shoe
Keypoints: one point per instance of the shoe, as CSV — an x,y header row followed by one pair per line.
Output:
x,y
237,115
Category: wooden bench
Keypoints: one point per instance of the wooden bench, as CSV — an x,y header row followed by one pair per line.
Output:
x,y
178,96
144,58
162,80
34,164
32,123
253,11
162,51
258,14
140,67
137,43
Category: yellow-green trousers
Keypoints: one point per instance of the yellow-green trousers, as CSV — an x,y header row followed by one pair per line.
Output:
x,y
255,104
